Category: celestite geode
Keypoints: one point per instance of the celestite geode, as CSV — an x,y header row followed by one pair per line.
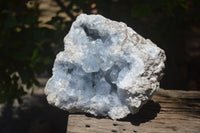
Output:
x,y
106,69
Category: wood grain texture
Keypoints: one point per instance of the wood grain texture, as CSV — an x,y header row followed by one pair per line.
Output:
x,y
168,111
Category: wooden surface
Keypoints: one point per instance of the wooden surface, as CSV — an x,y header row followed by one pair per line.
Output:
x,y
168,111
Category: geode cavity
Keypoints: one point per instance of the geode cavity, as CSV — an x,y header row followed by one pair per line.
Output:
x,y
105,69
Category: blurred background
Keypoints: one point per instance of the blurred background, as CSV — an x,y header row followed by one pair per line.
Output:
x,y
32,32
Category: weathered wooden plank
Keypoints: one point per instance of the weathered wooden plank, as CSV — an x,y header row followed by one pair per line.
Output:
x,y
169,111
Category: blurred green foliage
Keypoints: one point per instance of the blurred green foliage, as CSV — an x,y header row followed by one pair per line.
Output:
x,y
24,49
27,49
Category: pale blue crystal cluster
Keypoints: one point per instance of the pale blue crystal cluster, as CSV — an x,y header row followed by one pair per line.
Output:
x,y
106,69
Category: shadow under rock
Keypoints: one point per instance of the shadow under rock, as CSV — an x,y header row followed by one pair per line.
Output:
x,y
148,112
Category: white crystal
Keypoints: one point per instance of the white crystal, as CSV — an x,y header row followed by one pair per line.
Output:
x,y
105,69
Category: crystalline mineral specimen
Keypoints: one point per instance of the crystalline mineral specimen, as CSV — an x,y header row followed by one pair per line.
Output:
x,y
106,69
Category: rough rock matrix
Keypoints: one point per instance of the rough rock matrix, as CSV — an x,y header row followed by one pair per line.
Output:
x,y
106,69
